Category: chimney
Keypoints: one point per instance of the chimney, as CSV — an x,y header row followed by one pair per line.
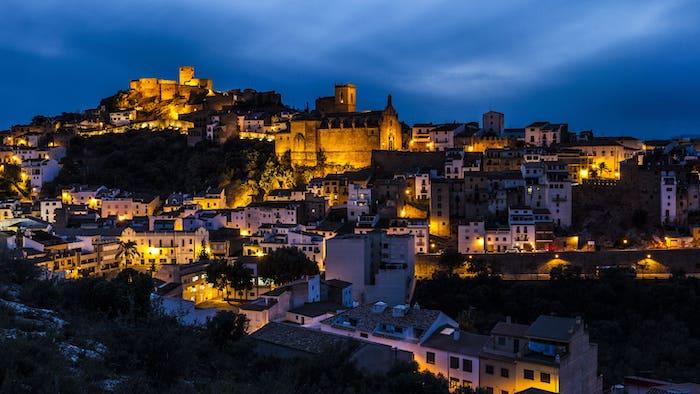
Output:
x,y
508,320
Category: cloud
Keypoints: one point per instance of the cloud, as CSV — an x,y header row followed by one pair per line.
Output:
x,y
462,55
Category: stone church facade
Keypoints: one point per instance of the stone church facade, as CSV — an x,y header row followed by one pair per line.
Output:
x,y
338,133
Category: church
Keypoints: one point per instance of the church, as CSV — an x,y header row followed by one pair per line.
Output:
x,y
339,135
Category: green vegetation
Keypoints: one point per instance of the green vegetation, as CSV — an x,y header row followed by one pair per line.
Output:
x,y
286,265
162,162
98,335
11,183
649,328
225,276
450,260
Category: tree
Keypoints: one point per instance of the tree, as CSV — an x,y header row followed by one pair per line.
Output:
x,y
226,326
18,271
128,250
450,260
639,218
285,265
240,277
565,272
203,253
136,289
482,269
224,276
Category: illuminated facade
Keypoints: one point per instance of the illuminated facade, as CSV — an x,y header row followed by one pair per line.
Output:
x,y
167,247
552,354
343,137
166,89
126,207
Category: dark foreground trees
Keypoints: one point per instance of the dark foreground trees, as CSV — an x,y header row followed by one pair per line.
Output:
x,y
137,349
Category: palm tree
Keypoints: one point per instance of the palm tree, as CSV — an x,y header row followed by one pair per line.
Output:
x,y
128,251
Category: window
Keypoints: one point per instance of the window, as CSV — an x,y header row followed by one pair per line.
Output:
x,y
544,377
528,374
504,391
363,335
489,369
430,358
504,372
466,365
454,362
501,340
454,383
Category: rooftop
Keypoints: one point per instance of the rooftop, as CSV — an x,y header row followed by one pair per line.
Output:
x,y
315,309
365,319
464,343
337,283
554,328
510,329
299,338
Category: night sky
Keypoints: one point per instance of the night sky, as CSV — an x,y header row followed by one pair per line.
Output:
x,y
617,67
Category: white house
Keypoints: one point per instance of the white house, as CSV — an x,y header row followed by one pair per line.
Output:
x,y
437,343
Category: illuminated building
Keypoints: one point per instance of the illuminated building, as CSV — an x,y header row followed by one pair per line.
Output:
x,y
276,303
601,157
552,354
471,237
48,208
126,206
212,198
40,171
418,228
548,186
167,247
165,89
545,133
272,237
359,201
248,219
342,137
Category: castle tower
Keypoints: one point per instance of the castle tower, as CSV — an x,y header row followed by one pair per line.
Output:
x,y
345,96
186,74
390,128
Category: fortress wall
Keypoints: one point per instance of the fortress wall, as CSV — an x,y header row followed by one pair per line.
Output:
x,y
661,261
351,146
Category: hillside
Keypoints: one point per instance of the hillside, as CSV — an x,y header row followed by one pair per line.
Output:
x,y
94,335
162,163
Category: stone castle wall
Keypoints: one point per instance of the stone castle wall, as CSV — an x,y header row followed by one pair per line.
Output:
x,y
349,146
659,262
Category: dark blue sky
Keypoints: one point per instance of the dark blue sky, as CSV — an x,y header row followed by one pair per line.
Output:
x,y
617,67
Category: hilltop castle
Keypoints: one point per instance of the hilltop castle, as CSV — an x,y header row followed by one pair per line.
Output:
x,y
167,89
338,133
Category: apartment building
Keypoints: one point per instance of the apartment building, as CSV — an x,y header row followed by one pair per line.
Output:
x,y
126,207
437,343
380,267
552,354
167,247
